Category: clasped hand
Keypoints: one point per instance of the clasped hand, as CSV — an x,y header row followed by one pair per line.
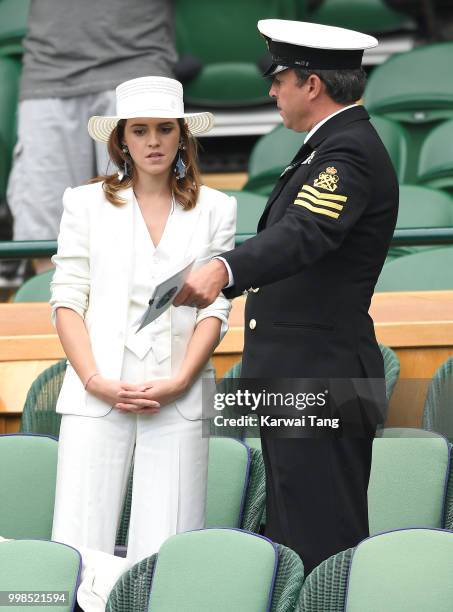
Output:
x,y
143,398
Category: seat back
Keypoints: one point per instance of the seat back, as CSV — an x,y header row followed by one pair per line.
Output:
x,y
39,415
391,368
228,384
393,90
36,566
435,166
421,207
249,210
419,103
363,15
229,74
214,569
438,410
35,289
410,569
423,271
27,480
228,479
273,152
395,139
408,480
132,590
215,44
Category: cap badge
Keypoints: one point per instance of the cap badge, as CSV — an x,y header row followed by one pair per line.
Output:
x,y
328,179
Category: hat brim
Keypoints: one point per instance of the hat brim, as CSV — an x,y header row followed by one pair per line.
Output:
x,y
274,69
100,128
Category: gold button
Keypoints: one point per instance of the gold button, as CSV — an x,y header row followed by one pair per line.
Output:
x,y
252,324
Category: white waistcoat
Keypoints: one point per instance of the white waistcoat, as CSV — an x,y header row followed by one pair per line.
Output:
x,y
149,264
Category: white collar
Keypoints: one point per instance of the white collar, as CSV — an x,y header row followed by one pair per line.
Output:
x,y
318,125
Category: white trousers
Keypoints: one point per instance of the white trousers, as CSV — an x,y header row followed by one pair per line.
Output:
x,y
170,476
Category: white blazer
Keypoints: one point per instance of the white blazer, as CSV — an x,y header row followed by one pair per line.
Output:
x,y
93,274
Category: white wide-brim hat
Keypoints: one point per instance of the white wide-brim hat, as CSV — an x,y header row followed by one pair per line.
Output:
x,y
158,97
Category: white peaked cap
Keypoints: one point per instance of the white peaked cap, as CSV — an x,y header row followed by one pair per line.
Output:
x,y
313,46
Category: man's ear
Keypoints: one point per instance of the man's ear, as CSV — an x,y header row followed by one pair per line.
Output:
x,y
315,86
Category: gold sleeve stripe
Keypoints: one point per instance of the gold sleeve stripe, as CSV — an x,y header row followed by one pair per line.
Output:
x,y
325,196
320,211
301,194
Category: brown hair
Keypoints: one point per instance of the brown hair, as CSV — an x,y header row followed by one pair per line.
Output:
x,y
185,190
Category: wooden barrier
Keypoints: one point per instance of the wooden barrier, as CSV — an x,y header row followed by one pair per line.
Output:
x,y
417,325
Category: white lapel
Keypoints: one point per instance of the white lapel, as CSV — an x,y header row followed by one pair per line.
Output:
x,y
118,235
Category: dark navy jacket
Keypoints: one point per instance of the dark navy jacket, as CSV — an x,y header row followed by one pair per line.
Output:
x,y
321,243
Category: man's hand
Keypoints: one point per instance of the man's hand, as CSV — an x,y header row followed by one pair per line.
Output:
x,y
203,286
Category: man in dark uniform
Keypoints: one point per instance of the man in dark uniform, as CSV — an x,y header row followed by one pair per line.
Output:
x,y
310,273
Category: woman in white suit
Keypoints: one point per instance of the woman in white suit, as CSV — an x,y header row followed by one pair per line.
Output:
x,y
124,389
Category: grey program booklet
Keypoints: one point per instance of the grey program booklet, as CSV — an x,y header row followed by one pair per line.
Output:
x,y
164,294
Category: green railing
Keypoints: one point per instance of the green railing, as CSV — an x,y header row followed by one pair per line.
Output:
x,y
27,248
401,237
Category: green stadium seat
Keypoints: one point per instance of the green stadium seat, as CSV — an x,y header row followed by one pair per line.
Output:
x,y
229,49
265,169
38,414
35,289
270,155
364,15
212,569
426,271
236,485
438,413
386,572
415,89
421,207
249,211
411,485
391,369
13,25
36,567
435,166
406,569
10,68
27,482
408,480
395,139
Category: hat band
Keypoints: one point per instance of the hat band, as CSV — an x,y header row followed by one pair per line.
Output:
x,y
296,56
130,106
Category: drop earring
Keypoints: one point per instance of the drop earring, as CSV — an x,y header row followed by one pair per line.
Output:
x,y
125,164
180,166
